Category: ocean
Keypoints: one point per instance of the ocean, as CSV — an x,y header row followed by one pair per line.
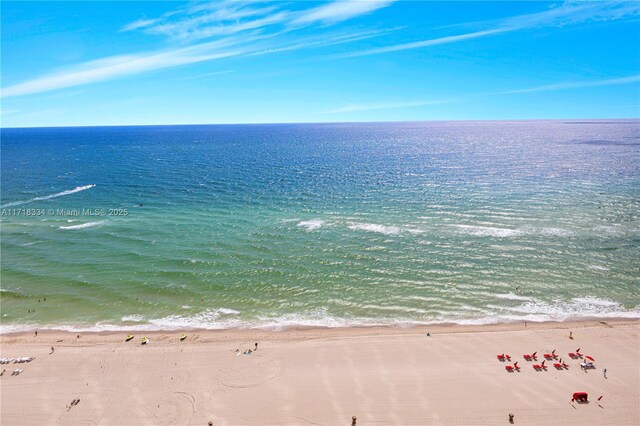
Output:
x,y
274,226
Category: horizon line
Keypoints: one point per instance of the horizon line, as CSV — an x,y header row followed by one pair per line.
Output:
x,y
323,122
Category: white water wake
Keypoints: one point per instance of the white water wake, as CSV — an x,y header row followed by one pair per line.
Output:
x,y
48,197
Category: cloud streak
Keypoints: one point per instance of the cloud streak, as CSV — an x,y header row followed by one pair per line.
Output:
x,y
572,85
546,88
118,66
338,11
568,14
235,28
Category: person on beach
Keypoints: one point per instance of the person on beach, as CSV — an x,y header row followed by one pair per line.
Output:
x,y
52,349
256,348
604,372
353,420
571,335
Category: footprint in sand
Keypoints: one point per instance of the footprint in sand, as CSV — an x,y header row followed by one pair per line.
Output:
x,y
171,408
250,375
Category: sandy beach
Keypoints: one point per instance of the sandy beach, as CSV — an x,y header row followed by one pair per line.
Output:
x,y
324,377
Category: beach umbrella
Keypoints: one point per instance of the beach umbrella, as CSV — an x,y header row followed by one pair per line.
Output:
x,y
589,358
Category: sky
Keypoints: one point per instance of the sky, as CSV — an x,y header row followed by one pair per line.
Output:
x,y
140,63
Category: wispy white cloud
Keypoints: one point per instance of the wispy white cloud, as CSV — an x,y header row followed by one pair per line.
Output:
x,y
572,85
118,66
338,11
315,42
193,29
567,14
235,28
425,43
546,88
139,24
385,105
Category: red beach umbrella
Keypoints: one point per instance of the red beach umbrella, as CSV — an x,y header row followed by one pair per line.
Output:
x,y
589,358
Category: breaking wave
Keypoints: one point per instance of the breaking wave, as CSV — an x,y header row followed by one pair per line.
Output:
x,y
48,197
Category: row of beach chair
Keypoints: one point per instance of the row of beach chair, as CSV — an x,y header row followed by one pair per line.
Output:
x,y
559,365
17,360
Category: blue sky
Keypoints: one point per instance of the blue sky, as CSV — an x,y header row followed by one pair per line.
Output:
x,y
111,63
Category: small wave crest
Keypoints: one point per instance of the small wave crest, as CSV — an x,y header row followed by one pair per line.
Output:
x,y
48,197
132,318
561,310
83,225
496,232
512,296
311,225
487,231
372,227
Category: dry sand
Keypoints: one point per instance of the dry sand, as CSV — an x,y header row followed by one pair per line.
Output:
x,y
324,376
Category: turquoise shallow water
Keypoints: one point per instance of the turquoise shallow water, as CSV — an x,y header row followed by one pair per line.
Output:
x,y
319,224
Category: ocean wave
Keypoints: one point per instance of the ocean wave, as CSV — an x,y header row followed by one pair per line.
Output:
x,y
511,296
487,231
496,232
560,310
132,318
598,268
219,318
48,197
552,232
533,310
372,227
311,225
83,225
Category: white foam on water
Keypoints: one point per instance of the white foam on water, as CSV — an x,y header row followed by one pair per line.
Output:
x,y
487,231
133,318
598,268
48,197
83,225
553,232
561,310
210,319
31,243
372,227
496,232
512,296
311,225
579,308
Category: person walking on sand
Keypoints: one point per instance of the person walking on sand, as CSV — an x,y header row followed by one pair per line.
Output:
x,y
604,372
353,420
256,347
571,335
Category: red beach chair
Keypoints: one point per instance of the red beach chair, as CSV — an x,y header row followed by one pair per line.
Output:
x,y
575,355
552,355
580,397
531,357
503,357
540,366
512,368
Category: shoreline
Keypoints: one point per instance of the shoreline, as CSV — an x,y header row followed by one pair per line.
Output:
x,y
392,328
382,375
